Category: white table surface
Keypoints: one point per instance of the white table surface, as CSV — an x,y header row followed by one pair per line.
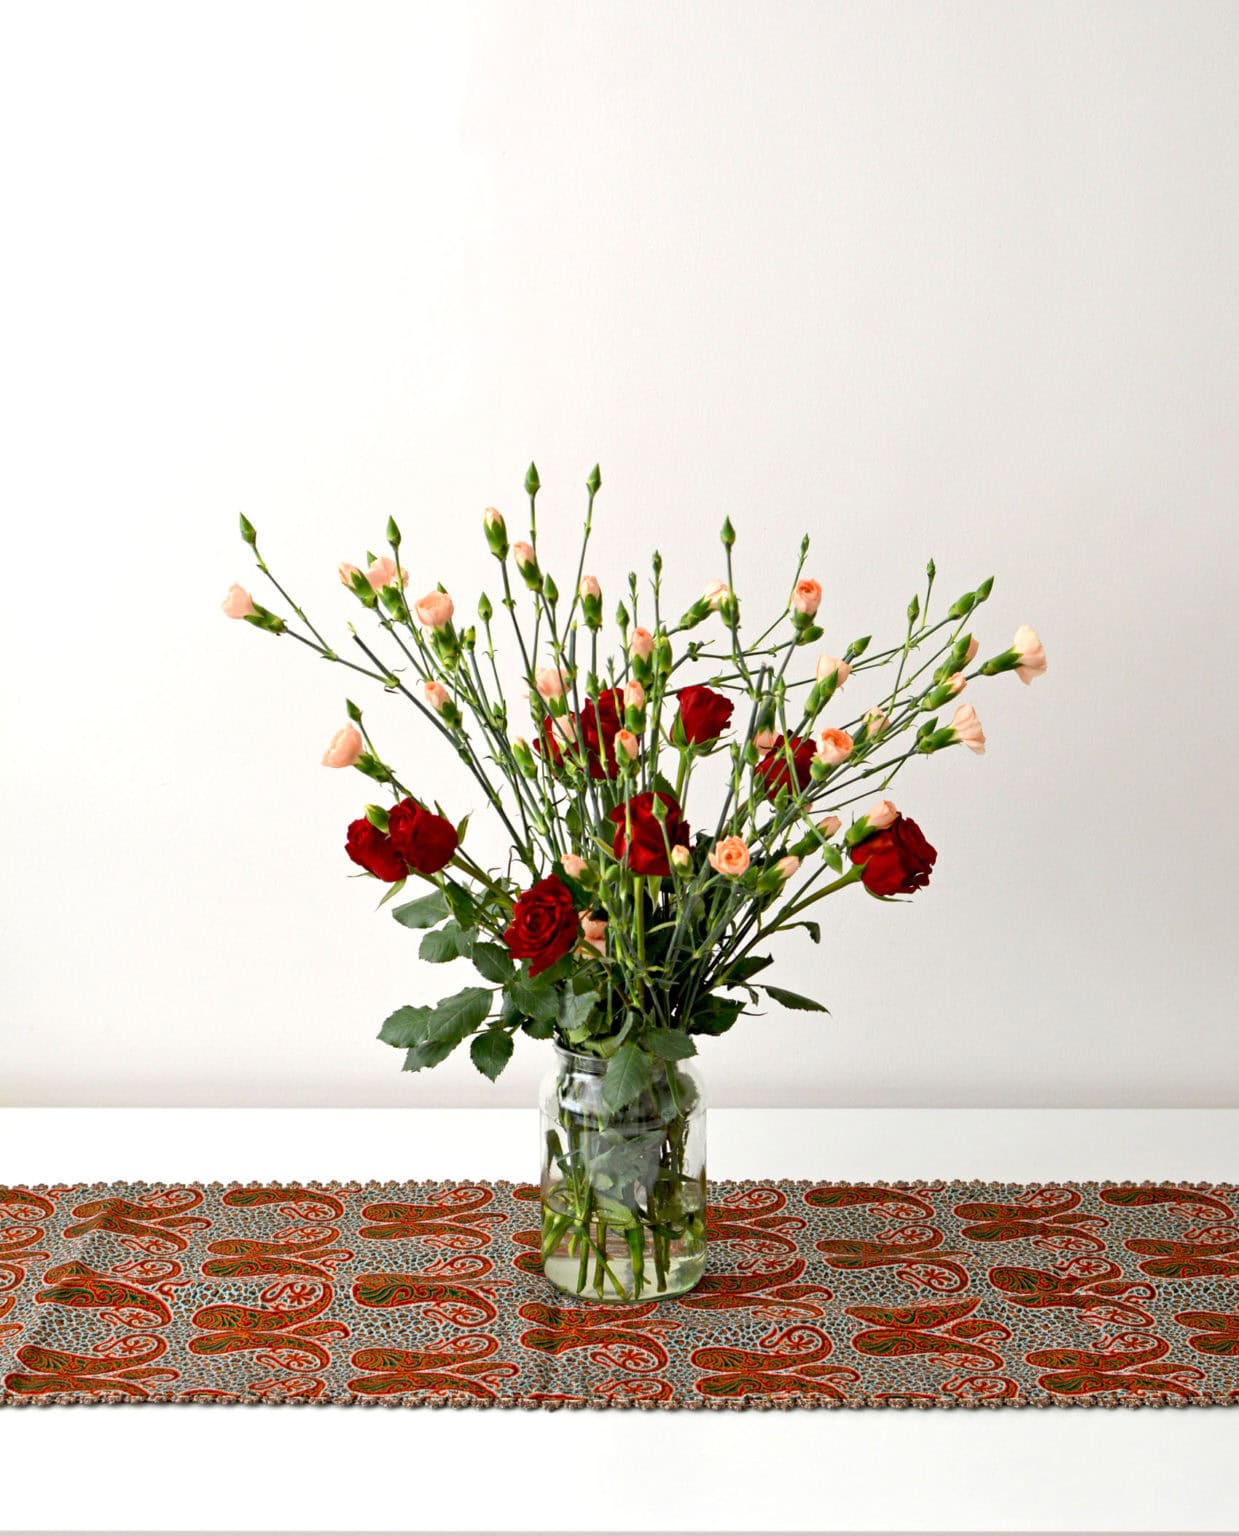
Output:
x,y
326,1469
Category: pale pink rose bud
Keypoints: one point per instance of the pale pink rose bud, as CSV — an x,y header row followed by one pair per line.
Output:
x,y
834,747
716,594
967,729
436,695
764,741
634,696
347,572
787,866
589,587
681,859
827,666
1031,653
876,721
729,857
640,644
524,556
957,682
492,518
974,645
829,825
565,728
549,682
807,598
238,604
383,574
594,932
344,748
881,815
574,865
627,744
435,610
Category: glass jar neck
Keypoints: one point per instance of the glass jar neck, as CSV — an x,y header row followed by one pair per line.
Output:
x,y
576,1062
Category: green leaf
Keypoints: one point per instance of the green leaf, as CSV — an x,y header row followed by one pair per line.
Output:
x,y
715,1015
429,1054
533,999
743,969
405,1027
668,1044
574,1009
627,1077
460,900
460,1013
446,943
425,912
538,1029
493,962
491,1052
794,1000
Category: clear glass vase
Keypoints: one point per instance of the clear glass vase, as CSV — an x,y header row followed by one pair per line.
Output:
x,y
623,1191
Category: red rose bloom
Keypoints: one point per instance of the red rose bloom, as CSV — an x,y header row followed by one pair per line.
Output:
x,y
373,850
647,853
595,730
544,925
425,841
773,767
897,860
704,714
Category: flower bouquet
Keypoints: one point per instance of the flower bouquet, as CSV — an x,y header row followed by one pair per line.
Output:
x,y
628,924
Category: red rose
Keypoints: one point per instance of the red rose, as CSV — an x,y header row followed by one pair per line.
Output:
x,y
544,925
373,850
647,854
591,734
897,860
773,767
424,840
704,714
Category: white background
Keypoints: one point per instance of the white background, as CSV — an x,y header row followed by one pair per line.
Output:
x,y
950,280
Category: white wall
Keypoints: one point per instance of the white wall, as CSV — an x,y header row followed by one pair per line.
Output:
x,y
924,279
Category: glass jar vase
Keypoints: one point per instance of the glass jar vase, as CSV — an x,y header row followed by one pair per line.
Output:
x,y
623,1190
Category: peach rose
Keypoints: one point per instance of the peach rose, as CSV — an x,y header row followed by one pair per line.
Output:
x,y
834,747
383,574
347,572
807,598
589,587
574,865
634,696
641,644
681,859
716,594
787,866
238,604
435,610
881,815
594,931
829,825
828,666
729,857
549,682
524,556
344,748
436,695
627,744
967,729
1031,652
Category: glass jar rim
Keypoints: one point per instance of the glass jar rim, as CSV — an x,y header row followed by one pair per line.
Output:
x,y
580,1061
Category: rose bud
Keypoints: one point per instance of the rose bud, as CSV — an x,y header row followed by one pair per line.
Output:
x,y
876,721
881,815
496,532
764,740
1027,645
344,748
549,682
590,593
634,696
382,573
829,825
681,859
347,572
829,667
594,932
729,857
640,644
967,729
527,564
436,695
626,746
435,610
524,757
715,595
806,599
834,747
787,866
238,604
589,588
957,682
574,865
974,646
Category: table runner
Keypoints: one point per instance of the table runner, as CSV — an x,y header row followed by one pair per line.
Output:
x,y
962,1294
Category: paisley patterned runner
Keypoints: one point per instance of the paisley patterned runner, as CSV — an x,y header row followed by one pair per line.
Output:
x,y
817,1295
